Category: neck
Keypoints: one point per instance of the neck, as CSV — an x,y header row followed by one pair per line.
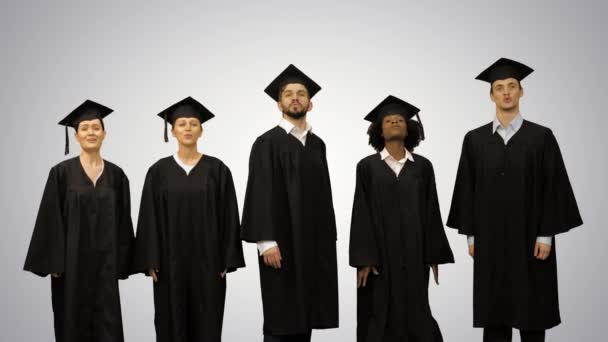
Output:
x,y
395,148
188,153
506,116
92,158
300,123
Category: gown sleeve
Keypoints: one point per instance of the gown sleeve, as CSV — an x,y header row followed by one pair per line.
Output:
x,y
126,239
46,254
461,209
363,249
331,212
258,222
560,211
232,249
147,242
436,246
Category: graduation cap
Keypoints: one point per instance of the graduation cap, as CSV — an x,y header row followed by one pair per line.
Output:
x,y
291,75
186,108
504,68
88,110
394,105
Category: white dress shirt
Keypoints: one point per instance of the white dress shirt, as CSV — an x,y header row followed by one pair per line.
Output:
x,y
301,135
396,165
506,134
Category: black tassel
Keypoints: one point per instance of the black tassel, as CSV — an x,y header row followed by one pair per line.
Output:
x,y
67,141
421,127
166,134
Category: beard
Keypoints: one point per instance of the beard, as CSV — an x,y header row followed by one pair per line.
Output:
x,y
295,115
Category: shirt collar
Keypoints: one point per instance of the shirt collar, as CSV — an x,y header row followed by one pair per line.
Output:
x,y
408,156
291,128
515,124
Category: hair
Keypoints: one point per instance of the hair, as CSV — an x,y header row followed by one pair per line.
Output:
x,y
492,86
411,141
103,127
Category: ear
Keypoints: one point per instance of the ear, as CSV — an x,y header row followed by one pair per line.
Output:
x,y
280,106
521,94
309,106
492,97
202,130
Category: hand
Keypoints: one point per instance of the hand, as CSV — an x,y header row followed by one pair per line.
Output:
x,y
272,257
542,251
153,273
56,275
435,273
472,251
363,273
223,274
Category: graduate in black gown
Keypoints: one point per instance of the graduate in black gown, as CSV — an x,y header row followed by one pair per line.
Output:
x,y
83,236
397,233
511,197
188,232
288,212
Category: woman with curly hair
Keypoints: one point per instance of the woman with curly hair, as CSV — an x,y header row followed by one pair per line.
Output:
x,y
397,233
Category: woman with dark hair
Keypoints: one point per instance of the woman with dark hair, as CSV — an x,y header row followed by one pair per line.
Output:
x,y
396,232
188,232
83,235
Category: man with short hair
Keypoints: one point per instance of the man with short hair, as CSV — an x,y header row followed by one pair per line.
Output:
x,y
288,212
512,195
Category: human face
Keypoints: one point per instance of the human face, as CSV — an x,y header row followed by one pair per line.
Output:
x,y
506,94
187,131
90,135
294,101
394,127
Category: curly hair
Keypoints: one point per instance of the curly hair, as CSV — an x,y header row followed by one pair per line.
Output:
x,y
412,139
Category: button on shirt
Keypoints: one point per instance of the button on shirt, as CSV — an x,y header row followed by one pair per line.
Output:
x,y
301,135
506,133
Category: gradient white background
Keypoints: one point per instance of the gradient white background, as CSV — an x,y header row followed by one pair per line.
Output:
x,y
140,56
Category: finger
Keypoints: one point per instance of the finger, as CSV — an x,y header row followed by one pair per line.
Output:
x,y
537,251
359,279
366,276
375,270
154,277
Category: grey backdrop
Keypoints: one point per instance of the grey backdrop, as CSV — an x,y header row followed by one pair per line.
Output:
x,y
141,56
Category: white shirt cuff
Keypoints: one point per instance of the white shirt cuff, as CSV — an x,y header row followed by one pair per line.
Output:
x,y
263,246
547,240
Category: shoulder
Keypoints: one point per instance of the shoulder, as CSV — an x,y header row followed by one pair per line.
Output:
x,y
215,163
271,135
481,131
537,130
423,163
160,164
365,164
112,168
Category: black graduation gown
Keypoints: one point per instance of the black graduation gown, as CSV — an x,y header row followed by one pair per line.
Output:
x,y
397,227
85,233
507,196
288,200
188,229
